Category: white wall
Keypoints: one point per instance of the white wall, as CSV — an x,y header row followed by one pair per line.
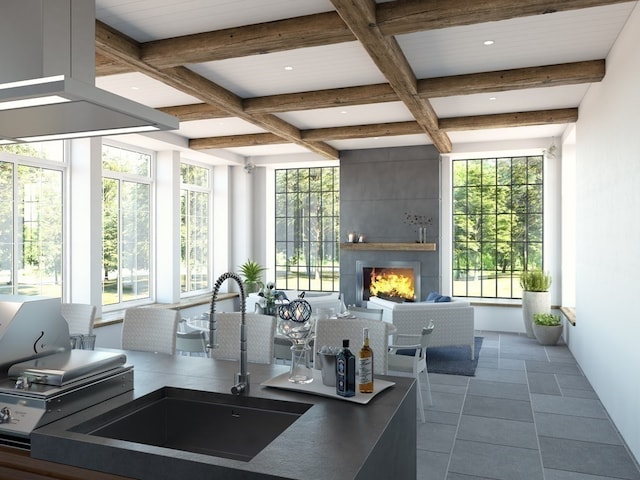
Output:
x,y
606,339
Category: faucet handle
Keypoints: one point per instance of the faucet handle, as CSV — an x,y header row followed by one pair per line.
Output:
x,y
242,384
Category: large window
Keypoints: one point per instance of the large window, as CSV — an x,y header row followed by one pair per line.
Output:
x,y
497,224
31,220
194,228
126,225
307,234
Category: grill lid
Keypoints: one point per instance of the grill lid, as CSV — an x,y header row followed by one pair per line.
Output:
x,y
63,368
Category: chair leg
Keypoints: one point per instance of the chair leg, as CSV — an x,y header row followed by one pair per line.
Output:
x,y
420,404
429,399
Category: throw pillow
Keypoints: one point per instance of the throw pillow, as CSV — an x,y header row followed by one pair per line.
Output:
x,y
442,299
432,296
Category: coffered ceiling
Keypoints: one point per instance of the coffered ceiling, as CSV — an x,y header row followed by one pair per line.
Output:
x,y
261,79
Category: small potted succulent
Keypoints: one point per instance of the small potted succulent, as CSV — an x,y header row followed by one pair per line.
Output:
x,y
547,328
252,274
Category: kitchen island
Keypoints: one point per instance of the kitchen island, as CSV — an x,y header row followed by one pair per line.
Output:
x,y
332,439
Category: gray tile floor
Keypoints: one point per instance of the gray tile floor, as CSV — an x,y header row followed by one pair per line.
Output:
x,y
529,413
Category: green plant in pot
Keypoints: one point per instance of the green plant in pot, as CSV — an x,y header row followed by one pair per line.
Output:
x,y
547,328
535,296
252,274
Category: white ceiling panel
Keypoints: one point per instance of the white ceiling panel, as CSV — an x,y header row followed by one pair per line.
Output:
x,y
269,150
143,89
380,142
511,101
351,115
147,20
314,68
505,134
522,42
218,127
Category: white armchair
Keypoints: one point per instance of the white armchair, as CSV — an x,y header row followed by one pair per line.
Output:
x,y
454,320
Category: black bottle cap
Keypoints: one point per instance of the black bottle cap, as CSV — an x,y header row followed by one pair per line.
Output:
x,y
345,343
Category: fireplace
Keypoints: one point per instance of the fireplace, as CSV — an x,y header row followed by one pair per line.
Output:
x,y
394,280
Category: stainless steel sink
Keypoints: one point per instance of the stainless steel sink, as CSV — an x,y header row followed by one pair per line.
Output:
x,y
209,423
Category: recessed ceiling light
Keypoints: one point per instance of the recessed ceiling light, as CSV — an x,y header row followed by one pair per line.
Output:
x,y
488,42
135,88
288,68
343,112
492,98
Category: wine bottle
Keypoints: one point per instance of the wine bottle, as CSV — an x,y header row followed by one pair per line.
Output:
x,y
365,365
345,371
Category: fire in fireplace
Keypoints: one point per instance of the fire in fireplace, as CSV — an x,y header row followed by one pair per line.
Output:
x,y
394,280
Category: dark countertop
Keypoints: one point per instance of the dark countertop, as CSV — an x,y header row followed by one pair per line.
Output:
x,y
334,439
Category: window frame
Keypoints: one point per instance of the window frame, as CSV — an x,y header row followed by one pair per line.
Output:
x,y
295,283
58,165
494,294
150,180
209,191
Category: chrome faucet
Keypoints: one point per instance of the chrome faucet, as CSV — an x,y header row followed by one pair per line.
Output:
x,y
242,379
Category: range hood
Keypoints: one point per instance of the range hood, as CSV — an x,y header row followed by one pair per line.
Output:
x,y
47,77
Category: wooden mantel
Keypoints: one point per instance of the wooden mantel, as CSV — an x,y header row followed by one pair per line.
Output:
x,y
406,247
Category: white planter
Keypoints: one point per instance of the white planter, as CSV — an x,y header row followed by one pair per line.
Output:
x,y
534,302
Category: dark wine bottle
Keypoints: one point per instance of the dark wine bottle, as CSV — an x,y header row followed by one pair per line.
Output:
x,y
345,371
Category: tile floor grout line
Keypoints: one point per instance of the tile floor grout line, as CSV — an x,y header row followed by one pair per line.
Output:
x,y
455,436
535,424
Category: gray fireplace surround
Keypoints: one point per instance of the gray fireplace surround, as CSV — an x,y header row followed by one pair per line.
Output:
x,y
378,188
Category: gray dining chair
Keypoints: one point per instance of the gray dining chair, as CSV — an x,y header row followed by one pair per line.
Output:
x,y
331,332
261,330
79,316
150,329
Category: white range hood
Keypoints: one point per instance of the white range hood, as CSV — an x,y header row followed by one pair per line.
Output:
x,y
47,77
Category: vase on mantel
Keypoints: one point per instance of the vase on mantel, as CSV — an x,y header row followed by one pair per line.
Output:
x,y
422,235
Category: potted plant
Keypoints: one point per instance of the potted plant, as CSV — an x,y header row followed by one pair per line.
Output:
x,y
252,274
535,296
547,328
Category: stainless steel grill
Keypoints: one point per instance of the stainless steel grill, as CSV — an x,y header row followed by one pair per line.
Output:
x,y
41,378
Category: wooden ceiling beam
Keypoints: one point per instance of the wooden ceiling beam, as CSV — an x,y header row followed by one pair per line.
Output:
x,y
108,66
388,56
407,16
113,44
499,81
515,79
292,33
196,111
231,141
363,131
508,120
479,122
335,97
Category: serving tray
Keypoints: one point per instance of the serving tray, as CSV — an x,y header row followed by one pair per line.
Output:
x,y
318,388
